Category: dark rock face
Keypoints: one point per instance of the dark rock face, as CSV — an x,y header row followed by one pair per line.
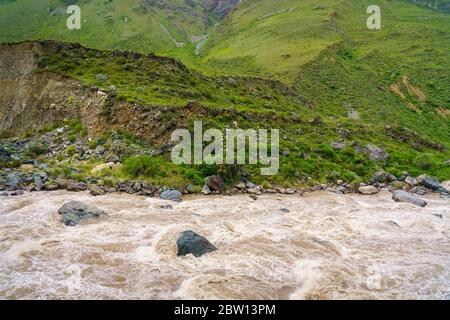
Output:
x,y
74,212
172,195
429,182
215,183
193,243
403,196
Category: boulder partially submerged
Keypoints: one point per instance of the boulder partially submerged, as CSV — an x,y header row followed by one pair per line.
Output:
x,y
193,243
74,212
403,196
172,195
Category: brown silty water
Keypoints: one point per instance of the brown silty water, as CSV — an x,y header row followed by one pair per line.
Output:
x,y
327,246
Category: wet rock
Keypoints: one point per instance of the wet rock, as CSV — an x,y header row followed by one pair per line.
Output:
x,y
250,185
206,191
420,191
382,177
215,183
376,153
16,193
446,185
166,207
172,195
4,194
429,182
254,191
241,185
74,186
95,190
193,243
403,196
368,190
411,181
74,212
51,186
285,210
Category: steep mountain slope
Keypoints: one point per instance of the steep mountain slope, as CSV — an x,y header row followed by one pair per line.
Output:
x,y
276,38
146,97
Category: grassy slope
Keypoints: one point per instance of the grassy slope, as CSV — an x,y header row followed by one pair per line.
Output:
x,y
331,59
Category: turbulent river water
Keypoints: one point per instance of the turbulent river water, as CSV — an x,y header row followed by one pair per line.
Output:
x,y
327,246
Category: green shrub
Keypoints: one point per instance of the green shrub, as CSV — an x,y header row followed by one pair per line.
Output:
x,y
35,150
147,166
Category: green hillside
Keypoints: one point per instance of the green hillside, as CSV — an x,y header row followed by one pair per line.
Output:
x,y
331,79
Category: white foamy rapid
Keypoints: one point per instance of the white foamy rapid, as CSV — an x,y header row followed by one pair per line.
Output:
x,y
326,247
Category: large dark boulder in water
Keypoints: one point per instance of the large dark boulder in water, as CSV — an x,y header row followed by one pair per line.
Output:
x,y
172,194
193,243
74,212
403,196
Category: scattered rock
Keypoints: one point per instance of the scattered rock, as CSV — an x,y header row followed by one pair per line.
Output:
x,y
206,191
50,186
420,191
97,190
403,196
16,193
285,210
382,177
215,183
193,243
166,207
74,186
446,185
338,145
254,191
172,195
253,197
241,185
429,182
368,190
411,181
250,185
74,212
376,153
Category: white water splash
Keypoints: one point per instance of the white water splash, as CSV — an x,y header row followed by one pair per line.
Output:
x,y
326,247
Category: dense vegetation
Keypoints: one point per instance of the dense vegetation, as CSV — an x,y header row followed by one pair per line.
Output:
x,y
333,80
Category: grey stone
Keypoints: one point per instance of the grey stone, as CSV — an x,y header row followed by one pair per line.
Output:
x,y
172,195
215,183
193,243
368,190
383,177
376,153
74,212
429,182
403,196
411,181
